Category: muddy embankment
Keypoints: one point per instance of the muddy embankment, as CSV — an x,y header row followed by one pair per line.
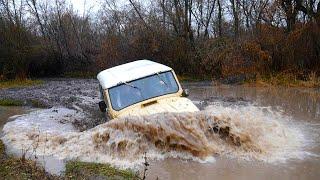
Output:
x,y
81,95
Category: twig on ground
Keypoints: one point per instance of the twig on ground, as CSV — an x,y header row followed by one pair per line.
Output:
x,y
146,164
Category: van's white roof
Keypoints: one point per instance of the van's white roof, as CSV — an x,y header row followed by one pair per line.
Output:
x,y
129,71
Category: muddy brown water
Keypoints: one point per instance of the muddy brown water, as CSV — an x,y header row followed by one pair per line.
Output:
x,y
10,113
302,105
7,112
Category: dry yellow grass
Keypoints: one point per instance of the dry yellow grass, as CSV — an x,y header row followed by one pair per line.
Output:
x,y
288,80
19,83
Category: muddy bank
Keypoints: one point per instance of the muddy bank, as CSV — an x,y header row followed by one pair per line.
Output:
x,y
22,168
78,94
57,92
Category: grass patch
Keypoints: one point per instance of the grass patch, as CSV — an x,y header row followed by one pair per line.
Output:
x,y
19,83
13,102
10,102
37,104
80,74
289,80
2,150
20,168
83,170
187,78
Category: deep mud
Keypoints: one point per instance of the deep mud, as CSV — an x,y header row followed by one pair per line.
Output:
x,y
78,94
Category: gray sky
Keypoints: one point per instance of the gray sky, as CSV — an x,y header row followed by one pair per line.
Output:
x,y
80,5
94,5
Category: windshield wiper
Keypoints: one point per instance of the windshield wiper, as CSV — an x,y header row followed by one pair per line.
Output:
x,y
135,87
161,79
130,85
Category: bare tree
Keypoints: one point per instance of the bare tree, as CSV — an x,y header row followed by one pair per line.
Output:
x,y
235,5
219,17
310,8
291,11
203,14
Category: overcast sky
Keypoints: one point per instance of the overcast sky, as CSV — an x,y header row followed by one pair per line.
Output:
x,y
80,5
94,5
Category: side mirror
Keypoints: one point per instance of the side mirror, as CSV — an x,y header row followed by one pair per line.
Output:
x,y
102,106
185,93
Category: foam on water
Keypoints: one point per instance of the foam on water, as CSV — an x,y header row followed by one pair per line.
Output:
x,y
245,132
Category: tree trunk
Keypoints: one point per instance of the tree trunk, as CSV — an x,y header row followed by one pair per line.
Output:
x,y
291,12
219,18
234,6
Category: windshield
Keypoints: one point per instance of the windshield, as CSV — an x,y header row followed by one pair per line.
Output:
x,y
129,93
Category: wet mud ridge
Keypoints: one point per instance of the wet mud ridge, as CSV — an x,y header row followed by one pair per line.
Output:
x,y
78,94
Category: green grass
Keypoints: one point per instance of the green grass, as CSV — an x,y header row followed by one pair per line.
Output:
x,y
83,170
20,168
10,102
19,83
37,104
13,102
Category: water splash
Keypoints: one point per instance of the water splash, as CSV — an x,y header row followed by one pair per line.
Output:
x,y
245,132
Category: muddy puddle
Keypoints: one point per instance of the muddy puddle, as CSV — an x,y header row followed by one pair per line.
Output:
x,y
297,108
241,132
10,113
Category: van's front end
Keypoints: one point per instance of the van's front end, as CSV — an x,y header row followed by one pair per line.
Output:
x,y
156,93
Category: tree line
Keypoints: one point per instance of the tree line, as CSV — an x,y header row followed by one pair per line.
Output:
x,y
202,38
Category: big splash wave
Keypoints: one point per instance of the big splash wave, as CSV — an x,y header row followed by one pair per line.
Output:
x,y
245,132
